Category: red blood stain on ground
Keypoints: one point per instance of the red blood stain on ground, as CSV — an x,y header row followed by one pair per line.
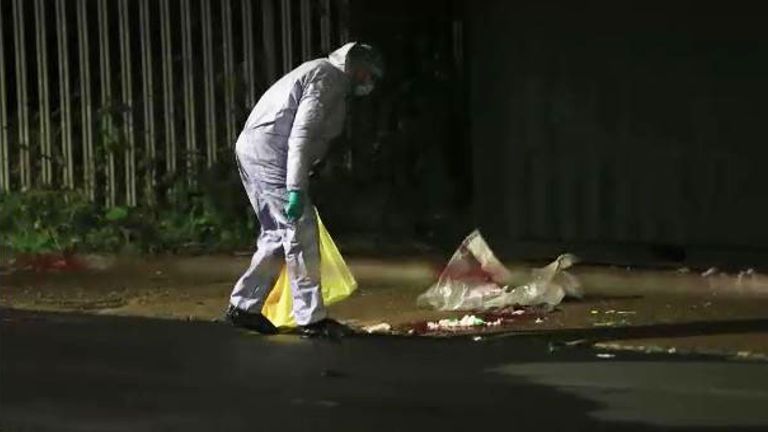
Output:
x,y
49,262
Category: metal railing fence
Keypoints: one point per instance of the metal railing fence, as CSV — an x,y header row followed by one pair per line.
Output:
x,y
118,98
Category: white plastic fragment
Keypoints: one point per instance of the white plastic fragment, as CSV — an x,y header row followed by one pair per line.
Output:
x,y
748,273
378,328
466,321
604,324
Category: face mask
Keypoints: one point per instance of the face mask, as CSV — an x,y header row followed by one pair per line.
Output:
x,y
363,89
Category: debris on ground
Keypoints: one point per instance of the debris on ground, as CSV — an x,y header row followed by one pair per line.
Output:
x,y
710,272
378,328
605,324
612,312
748,273
606,356
475,280
657,349
465,322
610,318
479,322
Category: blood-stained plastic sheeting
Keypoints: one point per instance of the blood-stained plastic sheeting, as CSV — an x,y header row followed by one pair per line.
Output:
x,y
475,279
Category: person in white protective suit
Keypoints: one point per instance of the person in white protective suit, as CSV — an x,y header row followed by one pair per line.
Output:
x,y
288,130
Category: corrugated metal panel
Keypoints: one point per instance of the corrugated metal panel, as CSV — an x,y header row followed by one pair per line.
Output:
x,y
629,142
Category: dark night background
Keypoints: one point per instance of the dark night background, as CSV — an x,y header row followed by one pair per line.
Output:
x,y
621,132
629,130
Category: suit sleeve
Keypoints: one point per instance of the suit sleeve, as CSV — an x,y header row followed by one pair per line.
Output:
x,y
317,100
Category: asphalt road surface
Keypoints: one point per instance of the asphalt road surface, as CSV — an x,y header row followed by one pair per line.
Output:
x,y
67,372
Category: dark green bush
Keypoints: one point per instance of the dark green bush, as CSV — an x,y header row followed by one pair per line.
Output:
x,y
213,216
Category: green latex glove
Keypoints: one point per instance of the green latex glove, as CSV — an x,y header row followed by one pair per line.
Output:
x,y
295,207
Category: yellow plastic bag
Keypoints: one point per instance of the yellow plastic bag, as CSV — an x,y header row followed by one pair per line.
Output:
x,y
336,282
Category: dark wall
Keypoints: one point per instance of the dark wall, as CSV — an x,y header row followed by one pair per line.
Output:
x,y
619,125
406,172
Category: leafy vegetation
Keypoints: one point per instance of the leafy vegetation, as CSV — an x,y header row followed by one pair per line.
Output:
x,y
212,216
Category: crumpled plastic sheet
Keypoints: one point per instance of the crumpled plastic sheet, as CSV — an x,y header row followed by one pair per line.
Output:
x,y
475,280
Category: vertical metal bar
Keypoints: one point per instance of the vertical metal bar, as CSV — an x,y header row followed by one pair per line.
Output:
x,y
106,122
343,8
229,68
5,165
127,99
189,96
250,67
148,96
168,103
19,41
46,148
306,29
325,27
592,192
285,14
210,121
86,109
458,45
65,99
268,38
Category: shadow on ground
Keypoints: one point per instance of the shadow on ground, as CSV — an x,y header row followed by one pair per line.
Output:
x,y
67,372
671,330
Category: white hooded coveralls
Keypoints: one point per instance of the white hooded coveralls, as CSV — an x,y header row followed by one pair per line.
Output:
x,y
287,131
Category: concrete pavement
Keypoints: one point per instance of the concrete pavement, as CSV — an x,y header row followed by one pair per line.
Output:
x,y
663,309
73,372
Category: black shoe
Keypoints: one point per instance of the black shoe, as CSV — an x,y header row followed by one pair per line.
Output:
x,y
326,328
251,321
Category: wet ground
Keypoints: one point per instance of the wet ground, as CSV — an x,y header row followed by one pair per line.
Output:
x,y
669,309
74,372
